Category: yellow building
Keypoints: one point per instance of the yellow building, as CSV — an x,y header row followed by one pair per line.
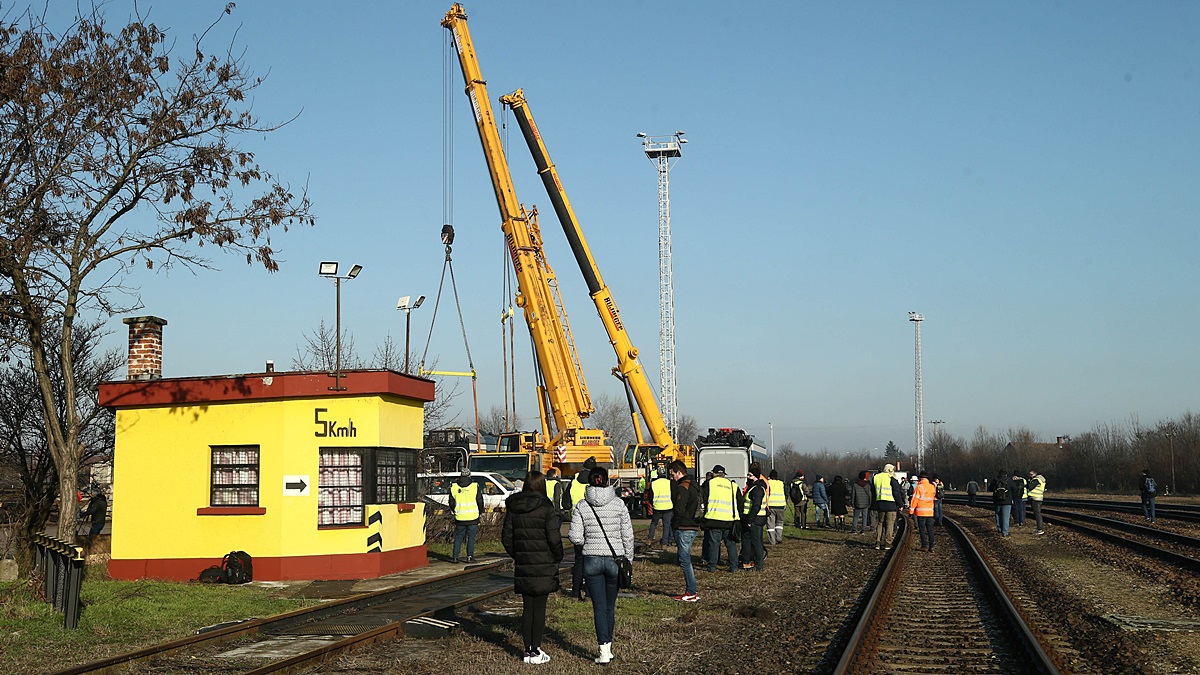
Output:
x,y
312,479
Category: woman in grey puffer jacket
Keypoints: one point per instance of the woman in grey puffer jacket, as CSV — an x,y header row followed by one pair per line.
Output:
x,y
603,516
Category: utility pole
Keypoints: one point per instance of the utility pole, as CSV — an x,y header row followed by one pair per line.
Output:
x,y
916,319
772,427
662,150
1171,440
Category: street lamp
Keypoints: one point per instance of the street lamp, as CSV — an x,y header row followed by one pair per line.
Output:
x,y
402,304
329,270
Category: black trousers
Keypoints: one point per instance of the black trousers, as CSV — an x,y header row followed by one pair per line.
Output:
x,y
533,621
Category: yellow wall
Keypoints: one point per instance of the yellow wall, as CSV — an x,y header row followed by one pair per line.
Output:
x,y
161,475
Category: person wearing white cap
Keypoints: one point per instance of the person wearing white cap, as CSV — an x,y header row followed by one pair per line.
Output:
x,y
888,498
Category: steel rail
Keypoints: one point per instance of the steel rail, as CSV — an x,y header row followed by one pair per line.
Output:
x,y
863,642
253,627
879,598
1177,559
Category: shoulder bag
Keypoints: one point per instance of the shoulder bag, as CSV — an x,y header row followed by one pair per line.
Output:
x,y
624,566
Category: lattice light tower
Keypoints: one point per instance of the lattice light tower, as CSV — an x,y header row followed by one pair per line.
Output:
x,y
663,151
917,319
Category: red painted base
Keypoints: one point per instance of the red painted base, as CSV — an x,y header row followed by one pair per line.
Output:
x,y
289,568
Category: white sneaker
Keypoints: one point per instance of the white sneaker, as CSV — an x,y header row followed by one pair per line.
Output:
x,y
606,654
537,657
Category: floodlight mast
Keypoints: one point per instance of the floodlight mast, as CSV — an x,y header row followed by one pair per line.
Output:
x,y
663,151
916,319
329,270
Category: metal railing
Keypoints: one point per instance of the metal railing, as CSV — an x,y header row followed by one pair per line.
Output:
x,y
61,566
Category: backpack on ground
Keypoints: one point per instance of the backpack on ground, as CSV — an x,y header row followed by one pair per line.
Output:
x,y
1151,486
1000,495
212,575
237,567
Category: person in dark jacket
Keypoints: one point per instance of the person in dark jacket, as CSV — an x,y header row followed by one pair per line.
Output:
x,y
1002,499
860,500
972,490
754,518
1148,490
839,494
820,500
1018,497
685,501
97,509
798,493
532,537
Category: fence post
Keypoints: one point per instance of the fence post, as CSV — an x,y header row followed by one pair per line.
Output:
x,y
61,565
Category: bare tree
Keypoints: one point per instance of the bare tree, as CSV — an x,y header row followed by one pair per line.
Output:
x,y
95,127
689,429
319,351
495,422
26,448
613,416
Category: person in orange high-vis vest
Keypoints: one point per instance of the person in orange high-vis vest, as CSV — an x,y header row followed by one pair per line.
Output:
x,y
921,506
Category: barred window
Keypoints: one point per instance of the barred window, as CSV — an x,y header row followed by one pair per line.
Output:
x,y
350,478
234,475
395,475
340,487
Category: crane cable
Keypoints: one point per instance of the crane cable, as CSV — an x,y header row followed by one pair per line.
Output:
x,y
507,316
448,51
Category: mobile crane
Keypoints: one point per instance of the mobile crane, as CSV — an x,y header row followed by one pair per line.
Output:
x,y
562,387
639,455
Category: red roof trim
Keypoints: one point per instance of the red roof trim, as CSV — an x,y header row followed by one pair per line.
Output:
x,y
261,387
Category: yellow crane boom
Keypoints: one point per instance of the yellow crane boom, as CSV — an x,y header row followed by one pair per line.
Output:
x,y
629,369
564,385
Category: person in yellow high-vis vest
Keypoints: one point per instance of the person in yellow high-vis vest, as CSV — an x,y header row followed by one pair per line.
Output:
x,y
660,502
888,500
466,503
1037,491
776,505
722,508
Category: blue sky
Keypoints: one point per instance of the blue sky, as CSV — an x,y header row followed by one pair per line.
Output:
x,y
1024,174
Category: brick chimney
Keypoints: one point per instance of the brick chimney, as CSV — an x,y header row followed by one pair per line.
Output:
x,y
145,347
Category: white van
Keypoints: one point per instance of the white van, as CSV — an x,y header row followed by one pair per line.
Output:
x,y
495,487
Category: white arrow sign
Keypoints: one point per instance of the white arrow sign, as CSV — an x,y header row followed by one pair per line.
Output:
x,y
296,486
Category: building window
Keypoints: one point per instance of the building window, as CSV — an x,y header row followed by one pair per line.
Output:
x,y
340,487
395,475
234,475
350,478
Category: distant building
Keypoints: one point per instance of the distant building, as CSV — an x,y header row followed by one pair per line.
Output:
x,y
313,483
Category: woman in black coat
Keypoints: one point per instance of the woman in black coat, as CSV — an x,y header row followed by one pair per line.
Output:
x,y
531,536
839,494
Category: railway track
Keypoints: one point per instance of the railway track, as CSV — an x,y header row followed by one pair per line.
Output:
x,y
1183,551
300,640
942,611
1186,513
